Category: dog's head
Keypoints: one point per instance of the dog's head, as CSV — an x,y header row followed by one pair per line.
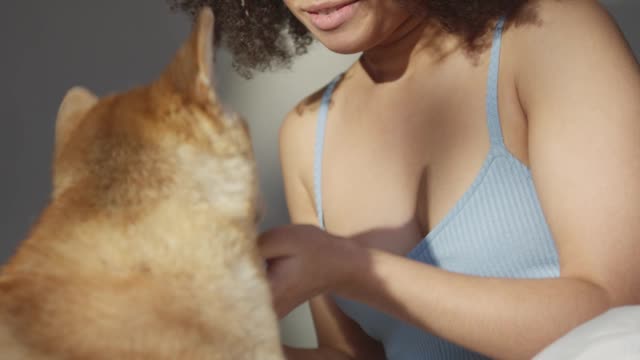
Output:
x,y
130,148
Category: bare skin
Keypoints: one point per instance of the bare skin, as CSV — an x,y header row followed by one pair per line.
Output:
x,y
406,137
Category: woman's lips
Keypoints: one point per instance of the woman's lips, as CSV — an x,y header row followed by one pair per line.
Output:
x,y
331,16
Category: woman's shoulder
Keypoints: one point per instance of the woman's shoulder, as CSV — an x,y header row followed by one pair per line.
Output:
x,y
562,27
297,135
300,122
308,107
539,15
557,44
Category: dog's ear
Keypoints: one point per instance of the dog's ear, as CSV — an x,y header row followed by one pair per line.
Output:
x,y
191,70
75,104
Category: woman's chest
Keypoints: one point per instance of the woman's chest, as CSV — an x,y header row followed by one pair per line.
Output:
x,y
395,167
393,179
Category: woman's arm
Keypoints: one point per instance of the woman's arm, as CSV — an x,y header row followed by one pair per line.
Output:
x,y
315,354
339,337
580,88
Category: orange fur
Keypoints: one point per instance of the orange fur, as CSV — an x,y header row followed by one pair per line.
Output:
x,y
147,249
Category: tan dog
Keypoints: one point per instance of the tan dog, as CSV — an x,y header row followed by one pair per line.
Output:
x,y
147,250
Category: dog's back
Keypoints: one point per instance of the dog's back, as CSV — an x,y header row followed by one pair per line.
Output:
x,y
147,249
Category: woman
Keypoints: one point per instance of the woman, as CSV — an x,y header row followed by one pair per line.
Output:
x,y
473,189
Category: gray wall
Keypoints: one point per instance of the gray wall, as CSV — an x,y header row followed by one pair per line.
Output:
x,y
49,46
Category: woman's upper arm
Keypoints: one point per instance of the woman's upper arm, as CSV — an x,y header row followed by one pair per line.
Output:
x,y
337,331
334,329
580,87
296,158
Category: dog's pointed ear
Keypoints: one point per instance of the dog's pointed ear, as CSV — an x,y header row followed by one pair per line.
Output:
x,y
75,104
192,68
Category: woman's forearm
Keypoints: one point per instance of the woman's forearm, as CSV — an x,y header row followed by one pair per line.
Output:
x,y
314,354
502,318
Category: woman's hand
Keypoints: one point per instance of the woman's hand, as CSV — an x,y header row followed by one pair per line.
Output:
x,y
304,261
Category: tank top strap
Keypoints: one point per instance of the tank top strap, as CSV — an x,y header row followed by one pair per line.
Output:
x,y
493,115
319,147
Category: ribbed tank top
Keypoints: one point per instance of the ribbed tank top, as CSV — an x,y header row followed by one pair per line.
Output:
x,y
496,229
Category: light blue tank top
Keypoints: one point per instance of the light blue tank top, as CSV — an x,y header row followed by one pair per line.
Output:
x,y
496,229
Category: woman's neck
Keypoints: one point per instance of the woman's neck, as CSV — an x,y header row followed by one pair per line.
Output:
x,y
416,39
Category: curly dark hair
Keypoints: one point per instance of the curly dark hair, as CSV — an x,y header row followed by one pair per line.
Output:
x,y
264,34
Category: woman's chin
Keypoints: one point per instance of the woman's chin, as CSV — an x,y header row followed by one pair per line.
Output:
x,y
345,50
344,46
